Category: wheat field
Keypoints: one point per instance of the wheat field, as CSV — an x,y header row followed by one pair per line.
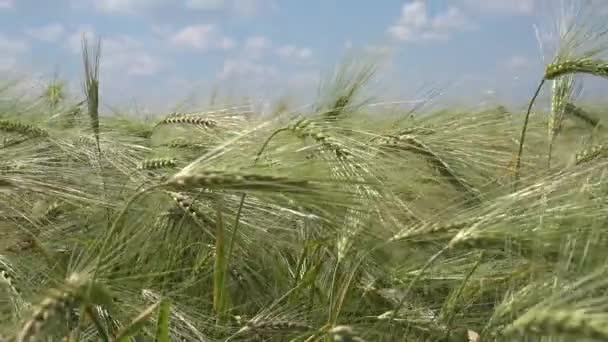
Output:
x,y
346,221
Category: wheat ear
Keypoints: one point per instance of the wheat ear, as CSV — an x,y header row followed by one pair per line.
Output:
x,y
157,163
236,181
187,204
67,297
306,129
436,162
188,120
577,112
563,88
590,154
18,127
91,85
588,66
561,322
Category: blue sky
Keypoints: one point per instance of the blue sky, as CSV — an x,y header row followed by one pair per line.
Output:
x,y
159,51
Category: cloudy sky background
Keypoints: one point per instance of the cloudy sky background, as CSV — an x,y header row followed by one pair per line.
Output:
x,y
157,52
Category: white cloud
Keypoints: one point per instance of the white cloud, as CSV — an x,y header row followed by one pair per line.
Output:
x,y
11,45
205,5
7,62
6,4
415,23
303,79
379,50
503,6
123,54
236,68
126,6
227,43
48,33
74,40
10,49
451,19
257,46
247,8
128,54
251,8
517,62
258,43
292,51
202,37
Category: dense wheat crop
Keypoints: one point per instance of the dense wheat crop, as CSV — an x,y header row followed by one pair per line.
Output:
x,y
345,222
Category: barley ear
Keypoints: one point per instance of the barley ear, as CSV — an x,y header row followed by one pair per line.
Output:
x,y
21,128
590,154
554,322
595,67
91,86
579,113
157,163
563,91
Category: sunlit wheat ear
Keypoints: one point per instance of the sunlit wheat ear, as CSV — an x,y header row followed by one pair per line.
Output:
x,y
237,181
411,144
269,322
77,290
555,322
21,128
189,120
576,308
157,163
580,41
306,129
187,205
513,303
590,154
416,131
594,67
434,228
346,84
185,143
563,91
91,85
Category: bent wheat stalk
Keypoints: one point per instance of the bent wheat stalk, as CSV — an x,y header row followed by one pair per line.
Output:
x,y
522,136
